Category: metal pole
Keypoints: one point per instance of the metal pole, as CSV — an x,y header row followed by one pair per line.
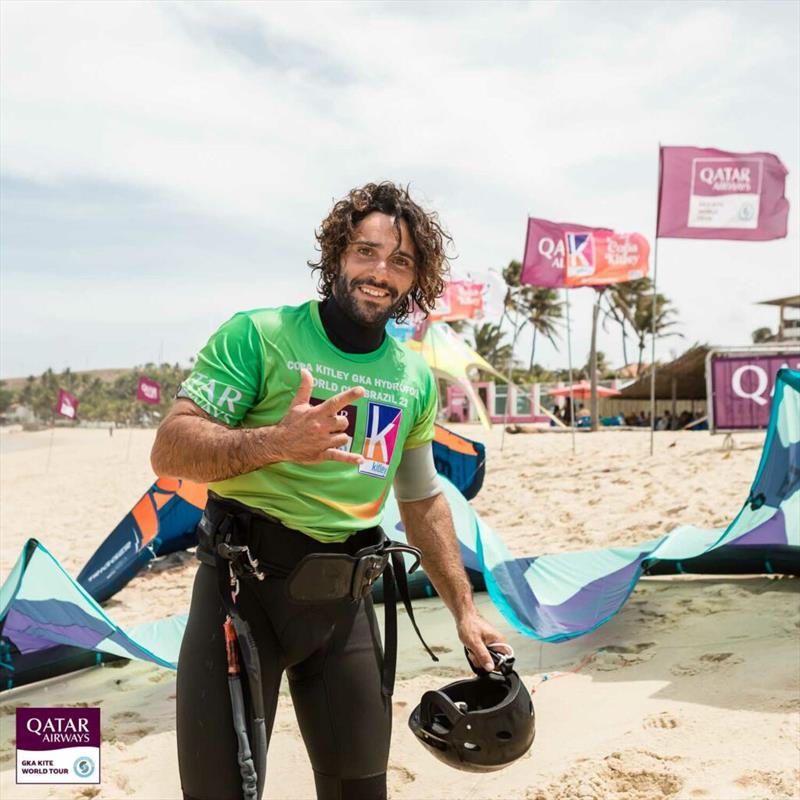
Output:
x,y
569,363
653,330
510,377
50,446
653,352
516,330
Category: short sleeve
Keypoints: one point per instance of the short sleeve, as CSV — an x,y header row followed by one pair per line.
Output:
x,y
227,376
422,432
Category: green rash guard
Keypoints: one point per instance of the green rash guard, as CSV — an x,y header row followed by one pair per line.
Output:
x,y
248,374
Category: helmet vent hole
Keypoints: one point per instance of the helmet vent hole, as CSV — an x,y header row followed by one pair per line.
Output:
x,y
471,746
504,736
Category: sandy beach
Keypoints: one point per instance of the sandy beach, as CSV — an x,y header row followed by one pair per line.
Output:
x,y
692,691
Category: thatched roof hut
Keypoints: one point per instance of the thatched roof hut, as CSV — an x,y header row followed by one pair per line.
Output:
x,y
684,378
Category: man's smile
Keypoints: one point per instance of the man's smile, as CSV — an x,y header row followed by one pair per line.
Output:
x,y
372,291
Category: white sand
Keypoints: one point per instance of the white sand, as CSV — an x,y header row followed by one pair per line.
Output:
x,y
693,691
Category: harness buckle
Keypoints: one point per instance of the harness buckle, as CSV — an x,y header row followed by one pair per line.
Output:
x,y
241,560
367,570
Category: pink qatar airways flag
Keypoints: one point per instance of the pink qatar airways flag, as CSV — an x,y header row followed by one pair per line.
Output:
x,y
148,391
67,404
714,194
544,261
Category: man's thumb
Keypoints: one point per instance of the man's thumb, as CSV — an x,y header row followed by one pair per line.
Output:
x,y
303,394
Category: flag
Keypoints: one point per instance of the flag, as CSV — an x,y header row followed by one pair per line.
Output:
x,y
560,255
67,404
545,252
713,194
602,257
460,300
148,391
493,290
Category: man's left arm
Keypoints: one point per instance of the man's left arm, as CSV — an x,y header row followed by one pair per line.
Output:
x,y
429,526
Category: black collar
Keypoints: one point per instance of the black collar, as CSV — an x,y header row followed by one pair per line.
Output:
x,y
346,334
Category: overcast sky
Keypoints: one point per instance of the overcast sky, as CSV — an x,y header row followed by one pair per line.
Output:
x,y
164,165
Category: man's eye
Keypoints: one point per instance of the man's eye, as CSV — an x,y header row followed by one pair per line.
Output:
x,y
364,251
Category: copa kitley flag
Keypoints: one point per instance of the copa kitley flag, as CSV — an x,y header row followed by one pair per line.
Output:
x,y
713,194
67,404
544,260
599,258
562,255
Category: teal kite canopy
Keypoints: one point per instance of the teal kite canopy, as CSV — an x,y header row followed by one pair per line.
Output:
x,y
50,624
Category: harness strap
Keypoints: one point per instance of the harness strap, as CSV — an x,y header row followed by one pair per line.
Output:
x,y
251,755
390,632
395,553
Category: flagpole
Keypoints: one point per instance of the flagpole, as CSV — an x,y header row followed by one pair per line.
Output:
x,y
130,436
50,445
569,364
510,377
653,326
516,322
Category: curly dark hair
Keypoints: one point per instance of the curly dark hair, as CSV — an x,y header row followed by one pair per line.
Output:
x,y
430,241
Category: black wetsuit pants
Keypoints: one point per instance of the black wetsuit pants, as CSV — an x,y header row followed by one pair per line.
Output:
x,y
332,656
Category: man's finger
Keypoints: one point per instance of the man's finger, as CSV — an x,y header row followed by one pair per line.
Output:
x,y
480,656
340,423
339,401
303,394
344,457
339,440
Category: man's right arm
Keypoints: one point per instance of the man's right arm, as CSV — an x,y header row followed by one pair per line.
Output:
x,y
193,445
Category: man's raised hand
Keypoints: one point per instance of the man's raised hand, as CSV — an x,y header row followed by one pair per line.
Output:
x,y
311,434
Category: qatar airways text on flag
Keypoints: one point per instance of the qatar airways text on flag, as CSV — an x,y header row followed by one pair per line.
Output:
x,y
714,194
148,391
67,404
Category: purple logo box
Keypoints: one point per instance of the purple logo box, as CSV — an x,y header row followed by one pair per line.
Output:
x,y
57,728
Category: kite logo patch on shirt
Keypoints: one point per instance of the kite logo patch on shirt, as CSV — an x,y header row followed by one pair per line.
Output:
x,y
350,412
383,426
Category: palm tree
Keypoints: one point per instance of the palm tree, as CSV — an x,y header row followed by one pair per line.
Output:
x,y
633,301
489,344
604,369
761,335
538,306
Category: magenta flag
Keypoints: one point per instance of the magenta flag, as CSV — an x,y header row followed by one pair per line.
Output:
x,y
67,404
713,194
148,391
545,254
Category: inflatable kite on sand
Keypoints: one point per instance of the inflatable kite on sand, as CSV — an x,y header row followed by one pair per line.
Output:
x,y
50,624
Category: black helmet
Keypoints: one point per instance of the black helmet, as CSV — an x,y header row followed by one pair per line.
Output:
x,y
478,724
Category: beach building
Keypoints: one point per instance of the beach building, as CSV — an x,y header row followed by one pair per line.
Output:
x,y
788,318
680,386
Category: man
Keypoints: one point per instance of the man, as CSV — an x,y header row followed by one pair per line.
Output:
x,y
300,419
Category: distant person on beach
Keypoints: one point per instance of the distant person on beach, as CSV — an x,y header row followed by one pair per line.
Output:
x,y
567,411
301,419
